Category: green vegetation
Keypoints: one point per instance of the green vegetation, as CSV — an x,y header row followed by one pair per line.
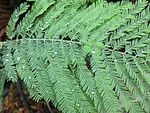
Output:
x,y
84,59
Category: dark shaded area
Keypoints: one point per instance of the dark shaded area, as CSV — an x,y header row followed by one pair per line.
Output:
x,y
4,17
23,96
133,1
14,103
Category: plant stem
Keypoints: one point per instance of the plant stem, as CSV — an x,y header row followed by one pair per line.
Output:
x,y
49,107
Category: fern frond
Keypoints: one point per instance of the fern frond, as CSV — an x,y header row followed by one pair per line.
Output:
x,y
2,80
53,40
9,63
104,86
37,9
86,80
62,56
14,19
122,90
